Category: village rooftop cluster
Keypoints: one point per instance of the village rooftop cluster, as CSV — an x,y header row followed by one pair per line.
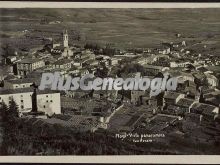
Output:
x,y
194,103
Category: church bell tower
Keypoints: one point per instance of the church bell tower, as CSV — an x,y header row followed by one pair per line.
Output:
x,y
65,39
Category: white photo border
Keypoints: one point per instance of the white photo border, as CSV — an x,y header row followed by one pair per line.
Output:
x,y
163,159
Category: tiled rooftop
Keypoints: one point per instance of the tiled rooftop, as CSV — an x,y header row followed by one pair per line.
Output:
x,y
171,95
29,60
62,62
185,102
200,107
24,80
24,90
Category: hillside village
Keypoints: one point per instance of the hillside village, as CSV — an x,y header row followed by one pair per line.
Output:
x,y
190,112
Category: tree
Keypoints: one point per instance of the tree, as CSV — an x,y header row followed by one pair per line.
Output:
x,y
4,107
191,67
4,111
13,108
6,50
102,73
132,68
159,75
109,50
159,98
47,62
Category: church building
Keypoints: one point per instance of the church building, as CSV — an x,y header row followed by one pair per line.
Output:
x,y
67,52
62,48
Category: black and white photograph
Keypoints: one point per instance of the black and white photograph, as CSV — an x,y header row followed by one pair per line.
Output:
x,y
109,81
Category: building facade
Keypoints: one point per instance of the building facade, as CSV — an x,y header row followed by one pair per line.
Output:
x,y
26,66
63,64
19,83
47,101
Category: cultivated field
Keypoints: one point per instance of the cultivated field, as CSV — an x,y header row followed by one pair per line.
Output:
x,y
124,27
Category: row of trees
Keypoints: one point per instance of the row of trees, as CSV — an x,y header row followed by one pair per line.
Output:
x,y
108,49
8,116
7,50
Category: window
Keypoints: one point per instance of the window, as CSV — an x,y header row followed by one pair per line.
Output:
x,y
44,106
51,101
47,101
21,95
23,85
22,107
46,95
0,98
22,101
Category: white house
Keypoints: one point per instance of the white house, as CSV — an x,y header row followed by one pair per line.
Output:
x,y
47,101
205,110
212,80
63,64
114,61
175,64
